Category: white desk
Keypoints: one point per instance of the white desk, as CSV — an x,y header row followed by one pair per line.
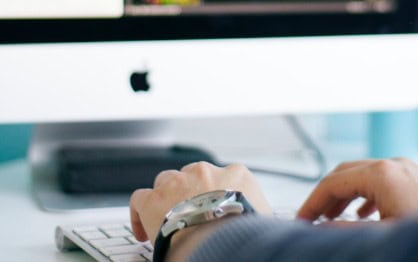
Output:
x,y
27,232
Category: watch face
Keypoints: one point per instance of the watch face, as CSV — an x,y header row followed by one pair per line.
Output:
x,y
203,201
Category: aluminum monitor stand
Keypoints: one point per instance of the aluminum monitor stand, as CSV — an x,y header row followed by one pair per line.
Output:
x,y
47,138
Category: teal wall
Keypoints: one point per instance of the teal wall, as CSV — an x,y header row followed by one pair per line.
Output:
x,y
393,134
347,127
14,141
387,134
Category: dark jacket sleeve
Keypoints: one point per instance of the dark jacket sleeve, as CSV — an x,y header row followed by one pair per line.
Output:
x,y
256,238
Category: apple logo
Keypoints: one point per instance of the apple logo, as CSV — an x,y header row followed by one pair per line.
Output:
x,y
139,81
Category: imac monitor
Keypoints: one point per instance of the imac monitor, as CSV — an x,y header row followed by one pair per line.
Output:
x,y
111,71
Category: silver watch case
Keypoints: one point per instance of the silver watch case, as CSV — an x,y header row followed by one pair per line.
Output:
x,y
201,209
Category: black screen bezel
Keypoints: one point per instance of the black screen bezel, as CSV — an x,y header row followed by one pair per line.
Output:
x,y
403,20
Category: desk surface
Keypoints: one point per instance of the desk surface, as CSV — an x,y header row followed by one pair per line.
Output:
x,y
28,232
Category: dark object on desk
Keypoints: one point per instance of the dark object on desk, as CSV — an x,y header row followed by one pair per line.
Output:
x,y
120,169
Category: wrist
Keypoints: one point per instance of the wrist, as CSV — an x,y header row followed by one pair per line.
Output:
x,y
200,215
185,241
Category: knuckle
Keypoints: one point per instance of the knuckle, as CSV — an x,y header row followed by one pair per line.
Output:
x,y
202,168
326,179
176,180
403,160
159,179
139,196
179,179
341,166
385,167
188,166
165,173
134,197
239,169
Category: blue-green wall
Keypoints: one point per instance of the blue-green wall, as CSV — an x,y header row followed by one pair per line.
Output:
x,y
347,127
14,141
387,134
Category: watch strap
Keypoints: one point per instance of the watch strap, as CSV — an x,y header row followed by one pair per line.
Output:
x,y
161,246
248,208
162,243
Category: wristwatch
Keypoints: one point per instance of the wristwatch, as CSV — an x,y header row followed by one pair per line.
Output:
x,y
197,210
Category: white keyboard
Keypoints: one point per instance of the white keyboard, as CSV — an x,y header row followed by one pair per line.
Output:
x,y
115,242
107,242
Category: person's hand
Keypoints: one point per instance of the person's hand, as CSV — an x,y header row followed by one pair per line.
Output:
x,y
149,206
389,186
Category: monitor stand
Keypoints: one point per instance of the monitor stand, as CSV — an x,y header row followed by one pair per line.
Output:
x,y
48,138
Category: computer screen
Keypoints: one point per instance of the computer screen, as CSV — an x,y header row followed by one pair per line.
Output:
x,y
198,7
114,20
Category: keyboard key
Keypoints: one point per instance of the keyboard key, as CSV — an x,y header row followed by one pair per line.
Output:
x,y
128,258
128,226
85,228
112,226
90,235
114,241
132,249
117,232
133,240
147,255
109,242
148,246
